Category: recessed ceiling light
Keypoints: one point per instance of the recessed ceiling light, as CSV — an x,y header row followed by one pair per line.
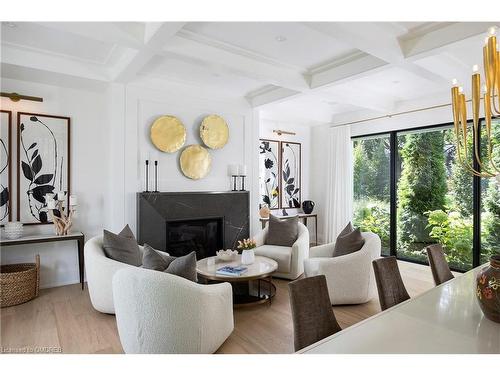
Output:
x,y
280,38
395,82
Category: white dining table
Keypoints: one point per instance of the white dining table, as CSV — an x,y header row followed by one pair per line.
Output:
x,y
445,319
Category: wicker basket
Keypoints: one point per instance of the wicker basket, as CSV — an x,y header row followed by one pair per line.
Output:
x,y
19,283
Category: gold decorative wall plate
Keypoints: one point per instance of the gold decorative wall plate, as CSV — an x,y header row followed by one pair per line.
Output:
x,y
214,131
195,162
168,133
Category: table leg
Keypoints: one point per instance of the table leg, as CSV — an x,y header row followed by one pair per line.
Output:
x,y
263,224
316,230
270,290
81,261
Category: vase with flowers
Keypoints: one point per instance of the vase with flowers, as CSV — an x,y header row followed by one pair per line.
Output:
x,y
246,247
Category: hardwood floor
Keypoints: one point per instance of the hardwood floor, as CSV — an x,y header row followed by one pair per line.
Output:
x,y
64,318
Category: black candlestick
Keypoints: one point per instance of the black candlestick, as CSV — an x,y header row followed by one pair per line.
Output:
x,y
147,176
242,183
156,176
234,182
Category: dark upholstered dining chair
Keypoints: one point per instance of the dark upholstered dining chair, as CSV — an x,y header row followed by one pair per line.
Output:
x,y
390,286
439,266
312,314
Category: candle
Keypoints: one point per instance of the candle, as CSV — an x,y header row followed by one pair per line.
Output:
x,y
61,195
73,201
242,170
51,204
233,170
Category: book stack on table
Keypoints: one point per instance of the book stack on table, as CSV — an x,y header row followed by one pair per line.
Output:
x,y
231,271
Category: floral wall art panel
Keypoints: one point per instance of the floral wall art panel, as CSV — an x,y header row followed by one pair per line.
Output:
x,y
269,173
43,163
291,178
5,166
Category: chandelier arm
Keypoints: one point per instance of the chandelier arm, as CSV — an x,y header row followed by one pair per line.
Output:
x,y
462,118
487,120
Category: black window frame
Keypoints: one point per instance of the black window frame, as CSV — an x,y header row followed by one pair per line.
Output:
x,y
476,194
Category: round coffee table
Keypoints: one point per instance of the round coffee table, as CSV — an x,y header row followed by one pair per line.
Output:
x,y
253,287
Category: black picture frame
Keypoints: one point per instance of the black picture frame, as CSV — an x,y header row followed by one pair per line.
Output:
x,y
30,163
6,191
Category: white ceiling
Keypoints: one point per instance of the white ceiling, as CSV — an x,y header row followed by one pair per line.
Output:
x,y
309,72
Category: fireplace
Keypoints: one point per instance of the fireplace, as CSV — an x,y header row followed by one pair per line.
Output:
x,y
205,236
180,222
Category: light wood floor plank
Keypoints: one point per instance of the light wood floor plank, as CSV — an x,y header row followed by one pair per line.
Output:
x,y
64,317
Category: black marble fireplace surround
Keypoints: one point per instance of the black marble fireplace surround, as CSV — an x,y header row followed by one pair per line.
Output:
x,y
181,222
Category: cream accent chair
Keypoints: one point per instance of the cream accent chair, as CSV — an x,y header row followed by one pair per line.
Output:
x,y
350,277
157,312
100,270
290,259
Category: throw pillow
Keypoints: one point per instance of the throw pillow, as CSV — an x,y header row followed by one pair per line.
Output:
x,y
122,247
151,260
282,232
184,266
349,241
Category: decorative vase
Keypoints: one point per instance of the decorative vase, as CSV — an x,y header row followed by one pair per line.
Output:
x,y
307,207
264,212
247,257
13,230
488,289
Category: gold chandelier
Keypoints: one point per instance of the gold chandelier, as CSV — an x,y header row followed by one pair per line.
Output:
x,y
475,163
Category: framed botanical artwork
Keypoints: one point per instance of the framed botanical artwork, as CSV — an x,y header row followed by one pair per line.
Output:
x,y
43,163
269,173
5,166
291,178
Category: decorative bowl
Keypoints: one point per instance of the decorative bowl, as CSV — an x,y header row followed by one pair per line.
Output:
x,y
226,255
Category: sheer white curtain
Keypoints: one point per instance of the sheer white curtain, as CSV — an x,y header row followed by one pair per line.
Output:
x,y
339,183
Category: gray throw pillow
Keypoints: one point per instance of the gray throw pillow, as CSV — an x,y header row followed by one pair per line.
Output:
x,y
349,241
282,232
184,266
151,260
122,247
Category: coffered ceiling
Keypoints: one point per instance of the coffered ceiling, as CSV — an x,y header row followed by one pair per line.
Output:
x,y
302,70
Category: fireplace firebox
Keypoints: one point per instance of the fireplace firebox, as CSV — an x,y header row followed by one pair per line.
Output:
x,y
205,236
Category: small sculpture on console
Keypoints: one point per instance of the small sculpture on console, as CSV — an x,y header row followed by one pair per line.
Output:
x,y
55,206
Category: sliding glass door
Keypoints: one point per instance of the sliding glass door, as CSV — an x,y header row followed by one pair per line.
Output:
x,y
434,197
490,203
371,187
411,190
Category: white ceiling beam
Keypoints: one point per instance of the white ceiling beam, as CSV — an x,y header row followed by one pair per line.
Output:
x,y
375,40
367,37
51,63
245,63
435,41
270,94
357,66
157,36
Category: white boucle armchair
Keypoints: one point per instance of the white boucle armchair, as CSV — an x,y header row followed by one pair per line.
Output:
x,y
100,270
290,259
350,277
158,312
